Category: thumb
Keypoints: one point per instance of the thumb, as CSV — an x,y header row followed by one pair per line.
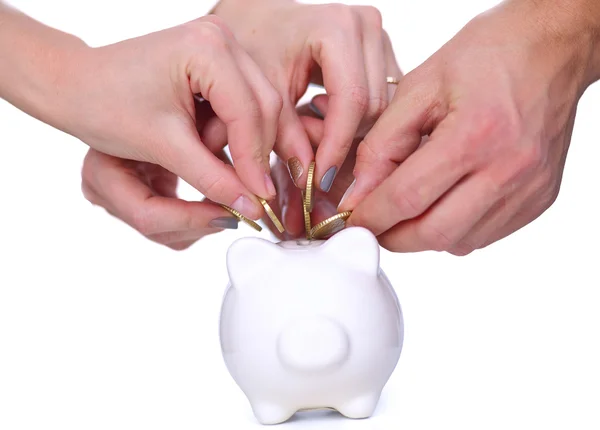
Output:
x,y
394,137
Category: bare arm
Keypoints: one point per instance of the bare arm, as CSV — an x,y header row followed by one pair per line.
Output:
x,y
37,61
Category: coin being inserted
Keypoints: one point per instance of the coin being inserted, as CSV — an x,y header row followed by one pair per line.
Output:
x,y
330,226
242,218
309,196
272,215
307,223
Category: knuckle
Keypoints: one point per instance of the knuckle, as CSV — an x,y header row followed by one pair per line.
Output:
x,y
179,246
461,249
435,238
273,105
372,16
205,34
407,202
530,158
344,16
143,222
367,153
213,186
359,97
377,105
549,187
88,194
491,131
214,19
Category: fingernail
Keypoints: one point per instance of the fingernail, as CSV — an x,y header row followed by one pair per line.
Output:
x,y
347,193
270,186
295,168
224,222
316,110
244,206
327,180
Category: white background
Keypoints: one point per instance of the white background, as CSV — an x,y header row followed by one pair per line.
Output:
x,y
100,328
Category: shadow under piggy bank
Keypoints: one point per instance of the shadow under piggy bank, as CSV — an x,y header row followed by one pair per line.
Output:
x,y
310,325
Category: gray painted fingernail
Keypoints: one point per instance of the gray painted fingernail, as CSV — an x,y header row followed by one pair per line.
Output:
x,y
316,110
224,222
327,180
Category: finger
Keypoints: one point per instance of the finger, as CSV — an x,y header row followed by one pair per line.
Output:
x,y
187,157
270,102
314,129
181,246
414,186
342,62
395,136
216,74
131,200
289,201
392,67
509,215
212,131
374,53
293,145
445,223
188,236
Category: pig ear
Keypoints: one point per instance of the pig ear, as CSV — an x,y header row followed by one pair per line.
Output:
x,y
354,247
251,256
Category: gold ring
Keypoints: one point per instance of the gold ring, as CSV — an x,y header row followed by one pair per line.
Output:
x,y
392,80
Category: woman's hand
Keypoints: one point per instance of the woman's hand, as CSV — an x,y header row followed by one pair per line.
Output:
x,y
343,48
498,103
143,195
135,100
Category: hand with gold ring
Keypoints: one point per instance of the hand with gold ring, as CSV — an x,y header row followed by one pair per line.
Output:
x,y
498,108
343,48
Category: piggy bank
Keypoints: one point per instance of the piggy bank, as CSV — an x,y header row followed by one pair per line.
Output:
x,y
310,325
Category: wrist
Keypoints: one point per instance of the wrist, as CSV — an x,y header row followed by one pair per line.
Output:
x,y
571,27
38,67
238,13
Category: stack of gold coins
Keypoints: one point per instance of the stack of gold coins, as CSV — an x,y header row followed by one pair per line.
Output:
x,y
322,230
325,228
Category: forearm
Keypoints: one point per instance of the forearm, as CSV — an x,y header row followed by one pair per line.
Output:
x,y
36,66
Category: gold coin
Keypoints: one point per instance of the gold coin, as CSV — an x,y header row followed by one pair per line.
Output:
x,y
241,217
309,197
330,226
307,223
272,215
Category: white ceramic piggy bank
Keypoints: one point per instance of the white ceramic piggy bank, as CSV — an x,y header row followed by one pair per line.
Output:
x,y
310,324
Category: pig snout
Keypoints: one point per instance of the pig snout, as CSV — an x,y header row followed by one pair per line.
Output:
x,y
313,344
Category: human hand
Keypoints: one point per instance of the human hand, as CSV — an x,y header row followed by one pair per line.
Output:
x,y
288,204
144,196
343,48
497,104
135,100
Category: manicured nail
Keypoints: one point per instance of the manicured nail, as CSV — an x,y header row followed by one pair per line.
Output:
x,y
316,110
224,222
270,186
327,180
244,206
295,168
347,193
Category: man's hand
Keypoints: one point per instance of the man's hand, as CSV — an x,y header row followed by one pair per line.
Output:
x,y
343,48
496,105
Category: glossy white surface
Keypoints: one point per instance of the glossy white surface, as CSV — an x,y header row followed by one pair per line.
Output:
x,y
308,325
101,329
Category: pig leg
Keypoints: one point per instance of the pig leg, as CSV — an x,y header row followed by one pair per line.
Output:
x,y
359,407
271,413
